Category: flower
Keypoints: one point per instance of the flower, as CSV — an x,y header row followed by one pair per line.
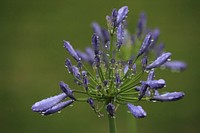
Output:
x,y
114,56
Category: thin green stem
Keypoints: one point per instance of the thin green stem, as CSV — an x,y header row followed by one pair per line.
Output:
x,y
112,124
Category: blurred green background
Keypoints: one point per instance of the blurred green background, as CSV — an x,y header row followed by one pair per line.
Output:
x,y
32,63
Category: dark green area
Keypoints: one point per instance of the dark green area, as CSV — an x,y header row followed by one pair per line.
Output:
x,y
32,63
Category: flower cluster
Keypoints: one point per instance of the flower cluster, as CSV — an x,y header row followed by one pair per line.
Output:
x,y
120,63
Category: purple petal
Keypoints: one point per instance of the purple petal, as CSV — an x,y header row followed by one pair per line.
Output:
x,y
95,44
156,84
91,102
111,109
145,45
169,96
159,61
151,75
48,103
122,14
65,88
71,50
175,65
57,107
120,36
141,24
136,111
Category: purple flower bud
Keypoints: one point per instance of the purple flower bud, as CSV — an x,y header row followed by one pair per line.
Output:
x,y
137,88
125,69
175,65
145,45
117,79
144,62
75,72
84,73
169,96
159,49
83,56
134,68
65,88
106,36
57,107
143,90
97,61
68,64
105,82
45,104
156,84
90,52
136,111
122,14
71,50
111,109
155,34
95,44
151,75
159,61
120,36
97,29
141,24
91,102
85,82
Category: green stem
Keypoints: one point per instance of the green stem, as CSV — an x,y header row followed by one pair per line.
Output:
x,y
112,124
131,124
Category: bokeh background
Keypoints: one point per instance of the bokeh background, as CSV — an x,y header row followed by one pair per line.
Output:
x,y
32,63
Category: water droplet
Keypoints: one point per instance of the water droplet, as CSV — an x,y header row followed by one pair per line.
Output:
x,y
59,112
154,101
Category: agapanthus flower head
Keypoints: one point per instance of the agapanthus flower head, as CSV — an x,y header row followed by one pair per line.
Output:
x,y
114,56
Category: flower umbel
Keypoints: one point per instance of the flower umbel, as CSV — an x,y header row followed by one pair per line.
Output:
x,y
120,63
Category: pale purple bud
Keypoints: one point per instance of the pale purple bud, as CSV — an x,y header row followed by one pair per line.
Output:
x,y
84,73
175,65
91,102
47,103
155,34
117,79
106,36
143,90
71,50
95,44
156,84
68,64
159,61
144,62
57,107
126,69
75,72
169,96
136,111
113,18
141,24
65,88
97,61
83,56
122,14
134,68
120,36
145,45
137,88
151,75
159,49
97,29
111,109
